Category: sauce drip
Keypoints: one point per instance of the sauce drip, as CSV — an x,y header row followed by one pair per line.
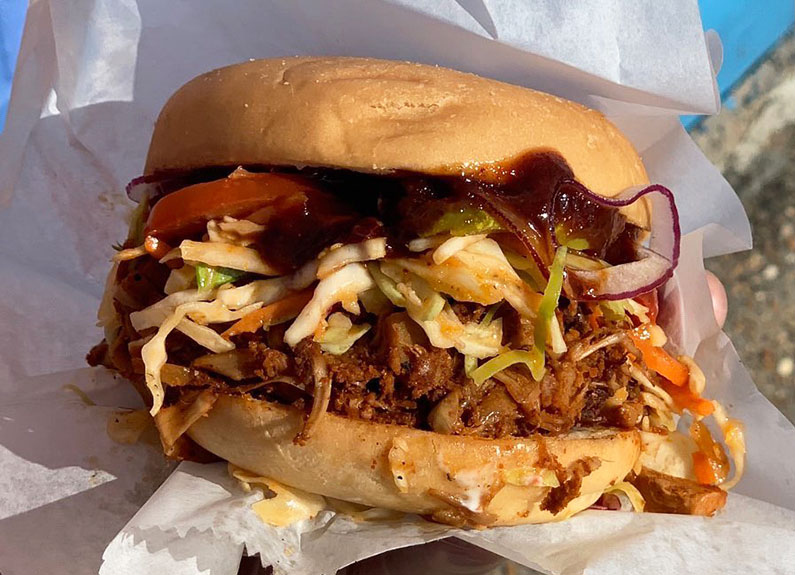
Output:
x,y
298,226
526,197
529,199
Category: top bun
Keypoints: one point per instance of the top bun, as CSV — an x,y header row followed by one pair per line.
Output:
x,y
381,116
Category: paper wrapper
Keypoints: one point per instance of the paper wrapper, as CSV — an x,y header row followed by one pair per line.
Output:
x,y
91,78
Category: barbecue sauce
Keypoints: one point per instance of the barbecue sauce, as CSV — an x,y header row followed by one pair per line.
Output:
x,y
526,196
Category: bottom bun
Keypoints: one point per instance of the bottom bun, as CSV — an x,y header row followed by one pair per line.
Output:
x,y
454,479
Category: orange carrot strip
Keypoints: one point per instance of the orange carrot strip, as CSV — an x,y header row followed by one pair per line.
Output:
x,y
704,469
277,312
659,360
156,247
593,317
686,399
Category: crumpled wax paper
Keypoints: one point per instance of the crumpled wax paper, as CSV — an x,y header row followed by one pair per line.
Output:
x,y
92,76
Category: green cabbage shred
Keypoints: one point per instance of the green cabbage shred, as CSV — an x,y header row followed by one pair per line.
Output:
x,y
209,277
465,221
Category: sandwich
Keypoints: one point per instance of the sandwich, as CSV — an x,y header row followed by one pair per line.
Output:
x,y
411,288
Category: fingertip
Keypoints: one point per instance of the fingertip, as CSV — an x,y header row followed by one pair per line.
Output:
x,y
720,301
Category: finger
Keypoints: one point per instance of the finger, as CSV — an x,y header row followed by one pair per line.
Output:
x,y
720,302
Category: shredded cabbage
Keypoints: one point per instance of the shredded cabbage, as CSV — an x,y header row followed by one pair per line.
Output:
x,y
215,312
156,313
386,284
342,286
340,334
617,310
209,277
154,356
454,245
368,250
470,364
490,314
225,255
204,336
528,270
425,303
631,492
153,353
546,314
577,244
374,301
444,330
479,273
129,254
506,360
556,341
180,279
423,244
464,221
638,375
473,339
232,231
270,290
265,291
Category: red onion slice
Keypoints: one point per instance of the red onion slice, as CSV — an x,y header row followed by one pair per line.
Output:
x,y
607,502
657,262
512,221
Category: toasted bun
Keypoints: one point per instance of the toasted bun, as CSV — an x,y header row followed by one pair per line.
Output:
x,y
381,116
407,469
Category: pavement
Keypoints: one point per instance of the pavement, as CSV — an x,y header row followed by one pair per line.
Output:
x,y
752,142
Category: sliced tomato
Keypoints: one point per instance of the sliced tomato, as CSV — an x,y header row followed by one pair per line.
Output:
x,y
186,211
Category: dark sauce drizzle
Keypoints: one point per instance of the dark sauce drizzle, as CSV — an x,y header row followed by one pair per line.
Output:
x,y
349,207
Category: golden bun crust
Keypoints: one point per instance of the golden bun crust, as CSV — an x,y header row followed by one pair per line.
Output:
x,y
382,116
407,469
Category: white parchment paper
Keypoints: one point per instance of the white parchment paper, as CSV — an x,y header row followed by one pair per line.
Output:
x,y
91,78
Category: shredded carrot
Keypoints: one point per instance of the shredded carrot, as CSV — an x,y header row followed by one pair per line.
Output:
x,y
156,247
704,468
710,463
272,314
658,359
686,399
593,317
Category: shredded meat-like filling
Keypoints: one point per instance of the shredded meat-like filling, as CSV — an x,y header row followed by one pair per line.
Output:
x,y
394,375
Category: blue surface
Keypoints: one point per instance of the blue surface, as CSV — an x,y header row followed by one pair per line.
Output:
x,y
12,19
748,28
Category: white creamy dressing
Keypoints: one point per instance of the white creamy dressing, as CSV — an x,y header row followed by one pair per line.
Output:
x,y
290,505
